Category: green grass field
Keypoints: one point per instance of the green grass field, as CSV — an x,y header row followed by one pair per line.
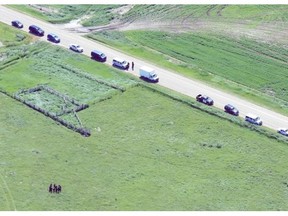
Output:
x,y
138,158
251,69
148,150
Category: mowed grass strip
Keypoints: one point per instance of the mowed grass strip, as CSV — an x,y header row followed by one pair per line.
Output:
x,y
146,152
253,70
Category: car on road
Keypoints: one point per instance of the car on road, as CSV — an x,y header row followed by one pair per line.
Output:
x,y
76,48
283,131
254,119
17,24
98,56
36,30
204,99
120,63
231,110
53,38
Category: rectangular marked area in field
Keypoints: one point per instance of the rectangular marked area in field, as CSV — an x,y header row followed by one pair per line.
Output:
x,y
44,98
55,105
50,66
76,83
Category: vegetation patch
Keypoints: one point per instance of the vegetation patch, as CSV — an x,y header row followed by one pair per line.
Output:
x,y
11,37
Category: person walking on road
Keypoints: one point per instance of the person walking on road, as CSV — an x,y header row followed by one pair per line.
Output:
x,y
132,66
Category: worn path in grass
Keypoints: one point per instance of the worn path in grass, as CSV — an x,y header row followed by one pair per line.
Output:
x,y
167,78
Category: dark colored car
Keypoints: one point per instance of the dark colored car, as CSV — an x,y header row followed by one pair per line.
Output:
x,y
53,38
283,131
98,55
17,24
36,30
231,110
204,99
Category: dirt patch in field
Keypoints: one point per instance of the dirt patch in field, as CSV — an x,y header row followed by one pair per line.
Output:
x,y
275,32
272,32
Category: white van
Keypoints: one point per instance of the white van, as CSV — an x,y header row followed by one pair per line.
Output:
x,y
120,63
253,119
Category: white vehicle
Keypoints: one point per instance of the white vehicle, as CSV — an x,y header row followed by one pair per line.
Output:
x,y
253,119
120,63
148,74
283,131
76,48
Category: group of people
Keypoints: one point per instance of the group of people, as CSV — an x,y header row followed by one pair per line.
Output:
x,y
55,188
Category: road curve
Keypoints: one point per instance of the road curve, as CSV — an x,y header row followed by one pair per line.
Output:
x,y
167,78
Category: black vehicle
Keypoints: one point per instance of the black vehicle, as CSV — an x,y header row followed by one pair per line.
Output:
x,y
53,38
204,99
231,110
17,24
283,131
36,30
98,55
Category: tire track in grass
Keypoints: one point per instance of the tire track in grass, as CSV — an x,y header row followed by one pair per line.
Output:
x,y
7,193
219,12
208,12
4,194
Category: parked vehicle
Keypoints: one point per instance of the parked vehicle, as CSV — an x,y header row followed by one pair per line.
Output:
x,y
17,24
98,55
253,119
204,99
231,109
53,38
36,30
120,63
283,131
76,48
148,74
